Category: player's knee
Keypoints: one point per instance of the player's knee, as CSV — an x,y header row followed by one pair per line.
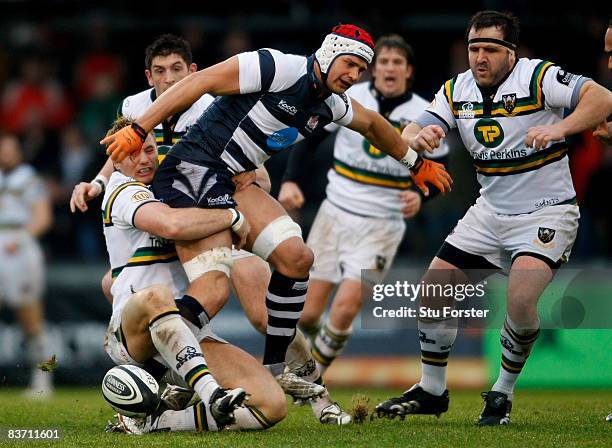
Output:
x,y
154,299
346,308
275,406
294,258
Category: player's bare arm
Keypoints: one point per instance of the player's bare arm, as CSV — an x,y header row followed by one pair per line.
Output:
x,y
594,105
381,134
189,223
220,79
377,130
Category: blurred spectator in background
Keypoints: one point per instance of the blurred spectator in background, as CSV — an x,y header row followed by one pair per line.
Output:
x,y
34,106
25,214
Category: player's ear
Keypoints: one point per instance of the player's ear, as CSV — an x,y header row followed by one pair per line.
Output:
x,y
512,57
149,77
193,67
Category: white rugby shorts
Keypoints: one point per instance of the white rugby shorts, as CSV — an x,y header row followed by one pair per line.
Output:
x,y
344,243
549,232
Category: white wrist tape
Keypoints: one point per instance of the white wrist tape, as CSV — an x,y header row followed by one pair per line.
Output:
x,y
101,181
237,219
410,158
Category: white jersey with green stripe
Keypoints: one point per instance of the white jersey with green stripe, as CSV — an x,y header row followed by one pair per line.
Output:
x,y
138,259
170,131
514,179
365,180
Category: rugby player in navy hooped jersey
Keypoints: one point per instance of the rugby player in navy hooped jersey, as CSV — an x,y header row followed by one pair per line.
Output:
x,y
267,102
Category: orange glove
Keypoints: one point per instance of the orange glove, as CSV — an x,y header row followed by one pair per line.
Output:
x,y
124,142
434,173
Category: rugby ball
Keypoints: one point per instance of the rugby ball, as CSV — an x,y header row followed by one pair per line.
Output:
x,y
131,391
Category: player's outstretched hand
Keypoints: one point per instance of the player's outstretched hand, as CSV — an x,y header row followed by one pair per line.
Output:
x,y
83,192
540,136
240,231
429,172
290,196
428,138
124,142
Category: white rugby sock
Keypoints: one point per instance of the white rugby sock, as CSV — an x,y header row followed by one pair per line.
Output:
x,y
516,345
328,344
436,338
181,350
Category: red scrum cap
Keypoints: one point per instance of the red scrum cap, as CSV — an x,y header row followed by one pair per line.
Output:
x,y
345,39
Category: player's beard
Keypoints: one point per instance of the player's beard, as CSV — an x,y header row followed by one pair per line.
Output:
x,y
495,76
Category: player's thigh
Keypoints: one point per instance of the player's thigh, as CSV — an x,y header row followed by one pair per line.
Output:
x,y
187,250
259,208
233,367
250,277
528,278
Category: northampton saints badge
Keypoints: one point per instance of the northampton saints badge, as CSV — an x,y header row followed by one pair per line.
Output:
x,y
546,235
509,102
381,262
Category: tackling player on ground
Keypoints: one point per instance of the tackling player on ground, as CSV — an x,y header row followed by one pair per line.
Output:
x,y
269,101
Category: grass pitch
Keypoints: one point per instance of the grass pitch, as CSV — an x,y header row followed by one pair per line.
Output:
x,y
539,418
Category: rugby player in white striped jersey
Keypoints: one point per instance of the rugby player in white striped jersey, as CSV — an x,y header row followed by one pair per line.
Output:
x,y
509,112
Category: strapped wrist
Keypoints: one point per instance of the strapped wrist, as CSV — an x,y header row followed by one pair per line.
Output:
x,y
101,181
410,158
139,130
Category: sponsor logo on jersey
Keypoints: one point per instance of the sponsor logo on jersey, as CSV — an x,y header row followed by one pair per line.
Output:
x,y
140,196
291,110
546,235
509,101
220,200
312,122
565,78
488,132
281,139
467,110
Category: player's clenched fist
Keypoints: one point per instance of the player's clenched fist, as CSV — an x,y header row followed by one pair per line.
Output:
x,y
428,138
124,142
427,171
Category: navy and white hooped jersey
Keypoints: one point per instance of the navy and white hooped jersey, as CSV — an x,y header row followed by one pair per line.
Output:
x,y
278,105
20,188
168,132
514,179
365,180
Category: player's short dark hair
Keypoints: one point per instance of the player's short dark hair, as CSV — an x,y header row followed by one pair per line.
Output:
x,y
507,22
168,44
397,42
